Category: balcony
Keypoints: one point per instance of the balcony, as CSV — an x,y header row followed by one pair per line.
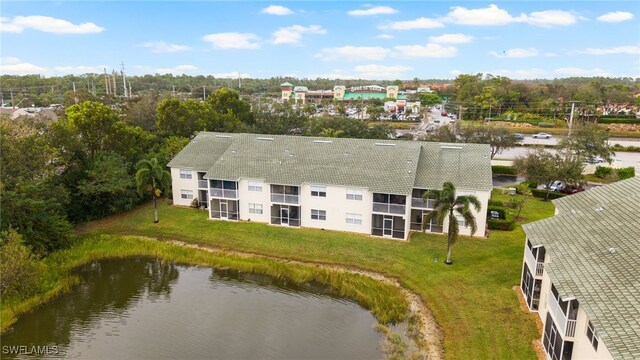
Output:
x,y
565,326
223,193
285,198
389,208
534,265
421,204
202,184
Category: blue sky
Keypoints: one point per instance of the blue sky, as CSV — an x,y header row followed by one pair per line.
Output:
x,y
347,39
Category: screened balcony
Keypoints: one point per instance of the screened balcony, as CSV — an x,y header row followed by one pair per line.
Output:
x,y
285,194
418,203
389,203
223,189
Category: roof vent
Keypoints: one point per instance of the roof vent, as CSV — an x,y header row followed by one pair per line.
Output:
x,y
346,154
611,250
573,211
290,154
322,141
452,147
599,209
234,151
385,144
224,136
264,138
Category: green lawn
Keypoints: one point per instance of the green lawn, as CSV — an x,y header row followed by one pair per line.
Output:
x,y
472,300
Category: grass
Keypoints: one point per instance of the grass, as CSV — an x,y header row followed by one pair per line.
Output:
x,y
556,131
397,125
385,301
472,300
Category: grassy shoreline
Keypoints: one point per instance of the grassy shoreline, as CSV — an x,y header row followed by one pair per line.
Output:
x,y
385,301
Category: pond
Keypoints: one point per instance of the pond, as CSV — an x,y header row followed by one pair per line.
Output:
x,y
144,308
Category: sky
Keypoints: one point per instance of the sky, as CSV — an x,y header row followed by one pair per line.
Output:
x,y
310,39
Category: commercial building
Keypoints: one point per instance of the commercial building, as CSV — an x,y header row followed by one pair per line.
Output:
x,y
365,186
581,274
302,95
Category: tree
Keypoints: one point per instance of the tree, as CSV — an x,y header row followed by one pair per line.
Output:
x,y
153,176
444,133
225,101
447,205
498,138
588,141
21,271
545,167
525,191
430,99
93,123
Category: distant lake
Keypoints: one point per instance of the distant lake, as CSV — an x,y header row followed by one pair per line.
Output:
x,y
144,308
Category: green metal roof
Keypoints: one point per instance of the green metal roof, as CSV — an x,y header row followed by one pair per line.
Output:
x,y
606,283
388,166
286,84
364,95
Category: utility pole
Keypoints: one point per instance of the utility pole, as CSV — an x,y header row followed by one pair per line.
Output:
x,y
114,88
75,97
573,106
130,90
124,81
204,93
173,92
12,99
106,82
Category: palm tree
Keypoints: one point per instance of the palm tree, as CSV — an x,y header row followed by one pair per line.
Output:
x,y
154,177
447,205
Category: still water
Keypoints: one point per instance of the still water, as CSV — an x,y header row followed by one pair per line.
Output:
x,y
142,308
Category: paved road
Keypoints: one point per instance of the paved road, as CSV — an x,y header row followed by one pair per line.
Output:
x,y
529,140
621,159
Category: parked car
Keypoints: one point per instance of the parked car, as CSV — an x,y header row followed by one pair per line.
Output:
x,y
594,160
572,190
557,185
437,121
518,136
542,136
444,113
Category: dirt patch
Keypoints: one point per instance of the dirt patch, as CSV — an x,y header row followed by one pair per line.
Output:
x,y
430,333
537,345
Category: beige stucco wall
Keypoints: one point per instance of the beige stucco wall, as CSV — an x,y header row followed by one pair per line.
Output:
x,y
247,197
183,184
582,348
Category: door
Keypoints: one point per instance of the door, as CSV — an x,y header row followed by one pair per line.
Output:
x,y
224,210
387,227
284,216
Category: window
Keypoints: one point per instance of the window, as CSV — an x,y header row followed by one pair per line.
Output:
x,y
460,220
592,336
318,215
354,194
255,208
255,186
320,191
465,193
186,194
355,219
185,174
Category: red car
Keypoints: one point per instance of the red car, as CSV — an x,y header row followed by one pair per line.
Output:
x,y
571,190
443,114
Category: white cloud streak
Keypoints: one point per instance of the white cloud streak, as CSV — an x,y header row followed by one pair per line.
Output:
x,y
15,66
377,10
180,69
628,49
615,17
277,10
373,71
293,34
160,47
516,53
47,24
451,39
429,51
419,23
233,40
492,15
353,53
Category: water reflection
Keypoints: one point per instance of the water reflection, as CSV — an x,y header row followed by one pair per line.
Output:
x,y
146,308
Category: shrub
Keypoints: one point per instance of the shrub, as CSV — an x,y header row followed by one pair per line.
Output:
x,y
500,224
503,170
495,203
603,171
531,184
626,173
617,116
21,271
630,148
619,120
195,203
542,193
501,213
546,124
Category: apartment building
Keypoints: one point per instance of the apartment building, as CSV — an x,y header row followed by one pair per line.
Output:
x,y
581,274
365,186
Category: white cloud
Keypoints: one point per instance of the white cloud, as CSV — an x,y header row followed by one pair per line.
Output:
x,y
377,10
573,71
277,10
15,66
373,71
293,34
180,69
353,53
615,16
550,54
521,74
233,40
493,15
455,72
628,49
419,23
334,74
385,36
163,47
46,24
429,50
451,39
231,75
516,53
80,69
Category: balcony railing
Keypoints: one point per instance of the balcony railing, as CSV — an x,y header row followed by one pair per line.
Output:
x,y
389,208
223,193
566,327
284,198
533,264
202,184
421,204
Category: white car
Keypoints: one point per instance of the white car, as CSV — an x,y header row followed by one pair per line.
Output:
x,y
557,185
542,136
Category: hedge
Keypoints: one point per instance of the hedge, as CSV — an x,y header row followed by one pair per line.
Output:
x,y
503,170
618,116
630,148
506,225
543,193
619,121
501,213
603,171
496,203
546,125
626,173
